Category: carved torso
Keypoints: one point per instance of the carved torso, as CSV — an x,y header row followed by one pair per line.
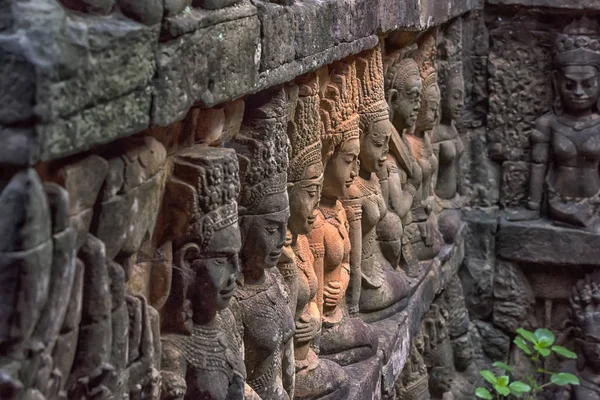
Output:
x,y
213,359
331,229
451,149
307,278
427,164
576,149
267,326
366,201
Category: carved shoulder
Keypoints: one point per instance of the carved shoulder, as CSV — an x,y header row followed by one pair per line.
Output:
x,y
541,132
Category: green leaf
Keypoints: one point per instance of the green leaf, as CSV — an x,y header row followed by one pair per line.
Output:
x,y
522,345
503,390
564,378
544,352
504,366
503,380
519,387
489,376
544,337
483,393
527,335
562,351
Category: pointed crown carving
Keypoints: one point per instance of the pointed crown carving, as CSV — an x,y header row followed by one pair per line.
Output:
x,y
369,70
426,58
210,187
339,106
304,130
579,44
261,147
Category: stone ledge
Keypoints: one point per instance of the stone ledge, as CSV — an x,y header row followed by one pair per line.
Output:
x,y
541,242
60,65
395,332
570,4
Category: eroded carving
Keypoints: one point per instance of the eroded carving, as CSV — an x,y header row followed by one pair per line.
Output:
x,y
413,383
344,339
262,299
584,311
565,141
382,286
202,352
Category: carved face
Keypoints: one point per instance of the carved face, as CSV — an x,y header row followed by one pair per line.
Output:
x,y
374,145
579,87
454,98
341,169
428,114
264,235
304,199
216,269
405,101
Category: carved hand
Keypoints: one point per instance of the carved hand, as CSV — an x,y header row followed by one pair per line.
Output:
x,y
428,233
332,293
307,327
174,386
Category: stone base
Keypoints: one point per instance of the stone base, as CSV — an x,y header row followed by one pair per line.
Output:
x,y
395,332
543,243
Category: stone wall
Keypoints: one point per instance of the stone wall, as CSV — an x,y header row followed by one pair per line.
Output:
x,y
526,263
232,199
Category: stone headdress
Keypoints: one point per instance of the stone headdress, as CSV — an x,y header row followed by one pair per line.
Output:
x,y
584,308
200,199
339,108
585,302
203,193
399,66
261,147
579,44
426,58
304,130
447,71
372,106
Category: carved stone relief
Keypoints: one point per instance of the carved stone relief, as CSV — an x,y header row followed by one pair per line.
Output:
x,y
261,305
567,134
314,378
202,355
383,286
344,338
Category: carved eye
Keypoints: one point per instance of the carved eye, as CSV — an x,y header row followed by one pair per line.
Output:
x,y
589,83
271,230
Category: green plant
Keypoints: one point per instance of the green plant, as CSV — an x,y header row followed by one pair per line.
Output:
x,y
536,346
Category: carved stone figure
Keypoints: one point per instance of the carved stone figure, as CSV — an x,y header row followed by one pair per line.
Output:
x,y
314,378
447,145
402,177
566,141
40,285
262,310
413,383
442,320
202,355
584,315
345,340
419,140
382,286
